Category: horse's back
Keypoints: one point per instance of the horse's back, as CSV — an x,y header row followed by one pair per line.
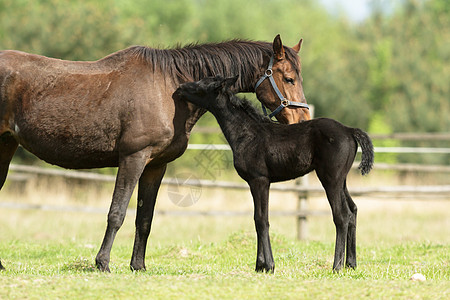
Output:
x,y
79,114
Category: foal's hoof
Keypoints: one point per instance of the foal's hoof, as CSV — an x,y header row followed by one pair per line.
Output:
x,y
138,268
337,269
1,266
267,269
103,267
351,265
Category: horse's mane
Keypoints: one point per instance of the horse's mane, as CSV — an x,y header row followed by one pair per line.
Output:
x,y
196,61
247,107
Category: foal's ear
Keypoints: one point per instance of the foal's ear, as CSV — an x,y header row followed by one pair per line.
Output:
x,y
228,82
298,46
216,83
221,83
278,49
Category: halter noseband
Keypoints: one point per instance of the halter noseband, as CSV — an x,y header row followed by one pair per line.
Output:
x,y
284,102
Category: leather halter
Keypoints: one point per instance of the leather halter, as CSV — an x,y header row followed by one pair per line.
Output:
x,y
284,102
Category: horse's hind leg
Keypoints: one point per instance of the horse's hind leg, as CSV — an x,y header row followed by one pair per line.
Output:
x,y
148,189
8,146
351,234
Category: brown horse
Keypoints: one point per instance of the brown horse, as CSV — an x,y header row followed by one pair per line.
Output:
x,y
119,112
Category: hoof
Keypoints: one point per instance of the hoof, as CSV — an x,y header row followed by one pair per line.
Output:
x,y
267,269
102,267
1,266
351,265
138,268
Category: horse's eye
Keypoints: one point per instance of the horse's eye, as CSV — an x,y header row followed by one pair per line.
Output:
x,y
289,80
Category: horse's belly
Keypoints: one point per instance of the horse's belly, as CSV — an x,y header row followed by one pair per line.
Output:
x,y
73,156
73,145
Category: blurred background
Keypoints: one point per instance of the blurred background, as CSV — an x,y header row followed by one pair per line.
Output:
x,y
380,65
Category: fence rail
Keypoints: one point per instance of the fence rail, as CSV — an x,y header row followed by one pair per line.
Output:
x,y
416,150
432,189
408,136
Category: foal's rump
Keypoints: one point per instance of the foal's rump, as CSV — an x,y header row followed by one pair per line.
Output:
x,y
341,137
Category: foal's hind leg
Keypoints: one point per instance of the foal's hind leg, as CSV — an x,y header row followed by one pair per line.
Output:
x,y
351,234
148,189
8,146
341,218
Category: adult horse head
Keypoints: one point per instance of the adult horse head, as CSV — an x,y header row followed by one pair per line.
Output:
x,y
280,88
120,112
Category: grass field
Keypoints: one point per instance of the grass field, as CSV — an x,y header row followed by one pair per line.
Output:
x,y
49,254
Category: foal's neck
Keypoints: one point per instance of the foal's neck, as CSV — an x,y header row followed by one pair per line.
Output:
x,y
235,123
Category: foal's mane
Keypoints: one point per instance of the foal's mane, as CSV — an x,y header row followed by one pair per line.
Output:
x,y
196,61
247,107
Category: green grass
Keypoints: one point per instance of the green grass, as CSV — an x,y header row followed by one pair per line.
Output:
x,y
51,255
224,270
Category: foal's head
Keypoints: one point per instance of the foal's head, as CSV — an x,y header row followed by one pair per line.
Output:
x,y
204,93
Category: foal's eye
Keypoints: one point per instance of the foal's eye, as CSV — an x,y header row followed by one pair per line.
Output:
x,y
289,80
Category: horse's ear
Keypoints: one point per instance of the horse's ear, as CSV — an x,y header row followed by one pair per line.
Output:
x,y
278,49
298,46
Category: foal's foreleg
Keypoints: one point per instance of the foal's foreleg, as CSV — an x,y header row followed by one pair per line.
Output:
x,y
148,189
130,168
260,192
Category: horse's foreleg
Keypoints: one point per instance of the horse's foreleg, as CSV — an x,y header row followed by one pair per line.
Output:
x,y
130,169
350,260
148,189
8,146
260,192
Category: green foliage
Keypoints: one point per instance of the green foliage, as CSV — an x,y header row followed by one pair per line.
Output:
x,y
394,64
63,29
378,125
409,76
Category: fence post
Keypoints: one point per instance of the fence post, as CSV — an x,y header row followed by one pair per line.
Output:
x,y
302,207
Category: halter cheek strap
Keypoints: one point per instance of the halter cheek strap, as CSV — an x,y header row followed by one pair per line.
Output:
x,y
284,102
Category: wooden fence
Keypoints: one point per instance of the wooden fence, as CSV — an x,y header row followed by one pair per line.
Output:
x,y
301,187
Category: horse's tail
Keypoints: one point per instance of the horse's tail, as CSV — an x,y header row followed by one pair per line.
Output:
x,y
367,156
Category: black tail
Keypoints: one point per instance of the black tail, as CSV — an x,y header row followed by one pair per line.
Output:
x,y
367,156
